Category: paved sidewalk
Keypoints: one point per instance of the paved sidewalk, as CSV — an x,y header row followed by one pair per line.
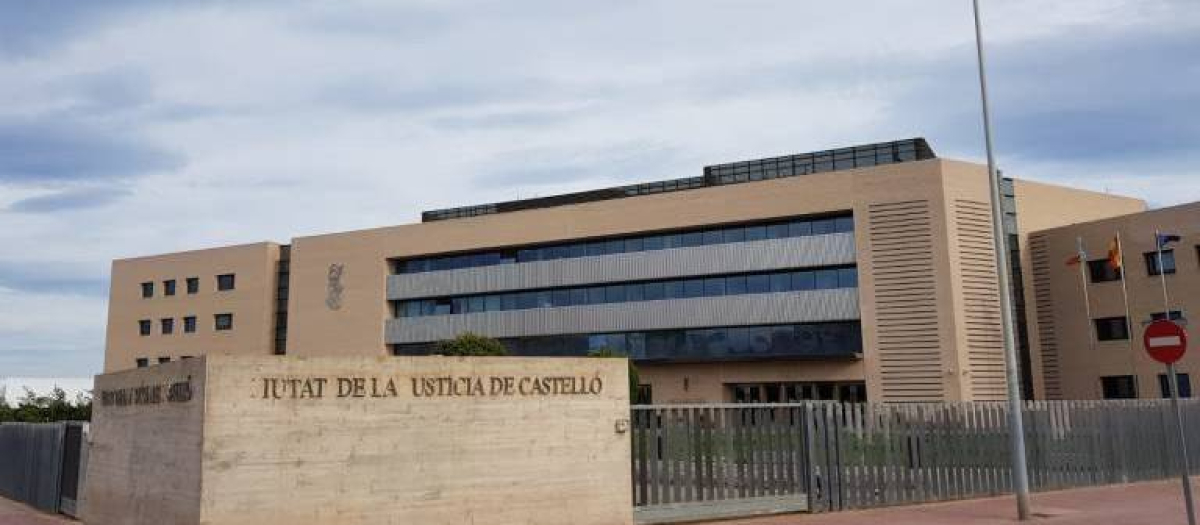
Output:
x,y
1155,503
13,513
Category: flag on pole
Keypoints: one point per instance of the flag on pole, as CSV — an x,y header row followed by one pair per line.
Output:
x,y
1167,238
1114,254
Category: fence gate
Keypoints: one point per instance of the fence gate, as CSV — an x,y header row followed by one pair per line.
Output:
x,y
74,458
41,464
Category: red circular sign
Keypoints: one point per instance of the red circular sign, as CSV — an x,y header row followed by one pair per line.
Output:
x,y
1165,341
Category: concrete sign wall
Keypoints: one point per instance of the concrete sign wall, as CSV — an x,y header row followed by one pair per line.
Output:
x,y
224,440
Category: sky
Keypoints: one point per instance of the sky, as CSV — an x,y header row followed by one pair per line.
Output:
x,y
134,127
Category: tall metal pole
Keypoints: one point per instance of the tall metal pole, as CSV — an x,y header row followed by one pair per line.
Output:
x,y
1173,388
1016,425
1087,300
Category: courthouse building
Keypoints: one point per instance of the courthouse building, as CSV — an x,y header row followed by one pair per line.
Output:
x,y
858,273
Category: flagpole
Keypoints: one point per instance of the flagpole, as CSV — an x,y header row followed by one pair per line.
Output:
x,y
1128,317
1087,300
1020,473
1162,275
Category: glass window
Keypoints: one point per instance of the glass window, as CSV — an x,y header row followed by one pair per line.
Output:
x,y
561,297
1111,329
148,290
508,301
458,305
714,286
1176,315
168,326
756,233
492,303
672,241
714,237
735,234
804,280
223,322
823,226
614,246
693,288
1118,387
777,231
688,240
529,255
672,289
735,285
576,250
844,224
634,292
193,285
848,278
169,287
826,279
614,293
799,228
225,282
596,295
653,243
1182,382
189,324
635,244
475,304
758,283
653,291
781,282
579,296
1168,262
144,327
595,248
1101,271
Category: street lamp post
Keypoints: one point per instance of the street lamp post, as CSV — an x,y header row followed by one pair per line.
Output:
x,y
1016,425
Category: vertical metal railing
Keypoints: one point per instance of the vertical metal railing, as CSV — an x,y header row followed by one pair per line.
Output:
x,y
846,456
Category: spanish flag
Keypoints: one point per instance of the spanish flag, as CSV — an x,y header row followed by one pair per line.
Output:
x,y
1114,254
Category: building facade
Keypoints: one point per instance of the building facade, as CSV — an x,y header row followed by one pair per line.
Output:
x,y
859,273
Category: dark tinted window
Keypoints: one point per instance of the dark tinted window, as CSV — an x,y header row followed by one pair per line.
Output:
x,y
781,282
169,287
1101,271
223,321
148,289
168,326
142,362
758,283
144,327
826,279
189,324
1111,329
1182,380
193,285
1118,387
1168,262
225,282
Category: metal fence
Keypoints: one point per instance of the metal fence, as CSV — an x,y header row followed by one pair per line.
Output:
x,y
845,456
41,464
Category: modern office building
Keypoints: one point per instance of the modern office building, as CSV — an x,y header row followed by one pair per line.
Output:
x,y
1089,335
858,273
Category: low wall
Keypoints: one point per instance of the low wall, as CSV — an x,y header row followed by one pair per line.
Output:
x,y
225,440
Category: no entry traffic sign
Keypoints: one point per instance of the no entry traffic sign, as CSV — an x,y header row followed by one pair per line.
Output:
x,y
1165,341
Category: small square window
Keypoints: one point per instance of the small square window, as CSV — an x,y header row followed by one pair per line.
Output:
x,y
162,360
225,282
223,322
1101,271
142,362
1111,329
168,326
144,327
1118,387
189,324
1168,262
148,290
169,287
1182,380
193,285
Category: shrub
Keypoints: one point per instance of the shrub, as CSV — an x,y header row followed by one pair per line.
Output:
x,y
470,344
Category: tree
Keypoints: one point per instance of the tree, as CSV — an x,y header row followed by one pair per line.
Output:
x,y
32,408
634,379
471,344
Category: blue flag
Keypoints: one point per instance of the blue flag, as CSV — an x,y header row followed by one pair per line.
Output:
x,y
1167,238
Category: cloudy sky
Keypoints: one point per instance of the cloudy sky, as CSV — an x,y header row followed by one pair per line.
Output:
x,y
136,127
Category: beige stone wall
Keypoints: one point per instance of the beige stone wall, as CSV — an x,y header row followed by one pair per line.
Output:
x,y
1076,361
1042,206
144,462
350,442
251,303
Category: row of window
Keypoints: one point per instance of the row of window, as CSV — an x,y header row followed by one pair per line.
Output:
x,y
787,281
806,340
846,392
221,322
224,282
1125,387
1100,271
1117,329
143,362
677,239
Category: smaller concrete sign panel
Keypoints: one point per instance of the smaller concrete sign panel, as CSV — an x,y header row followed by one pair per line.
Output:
x,y
244,440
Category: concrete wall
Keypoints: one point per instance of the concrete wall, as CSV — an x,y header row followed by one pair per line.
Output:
x,y
144,466
349,441
251,303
